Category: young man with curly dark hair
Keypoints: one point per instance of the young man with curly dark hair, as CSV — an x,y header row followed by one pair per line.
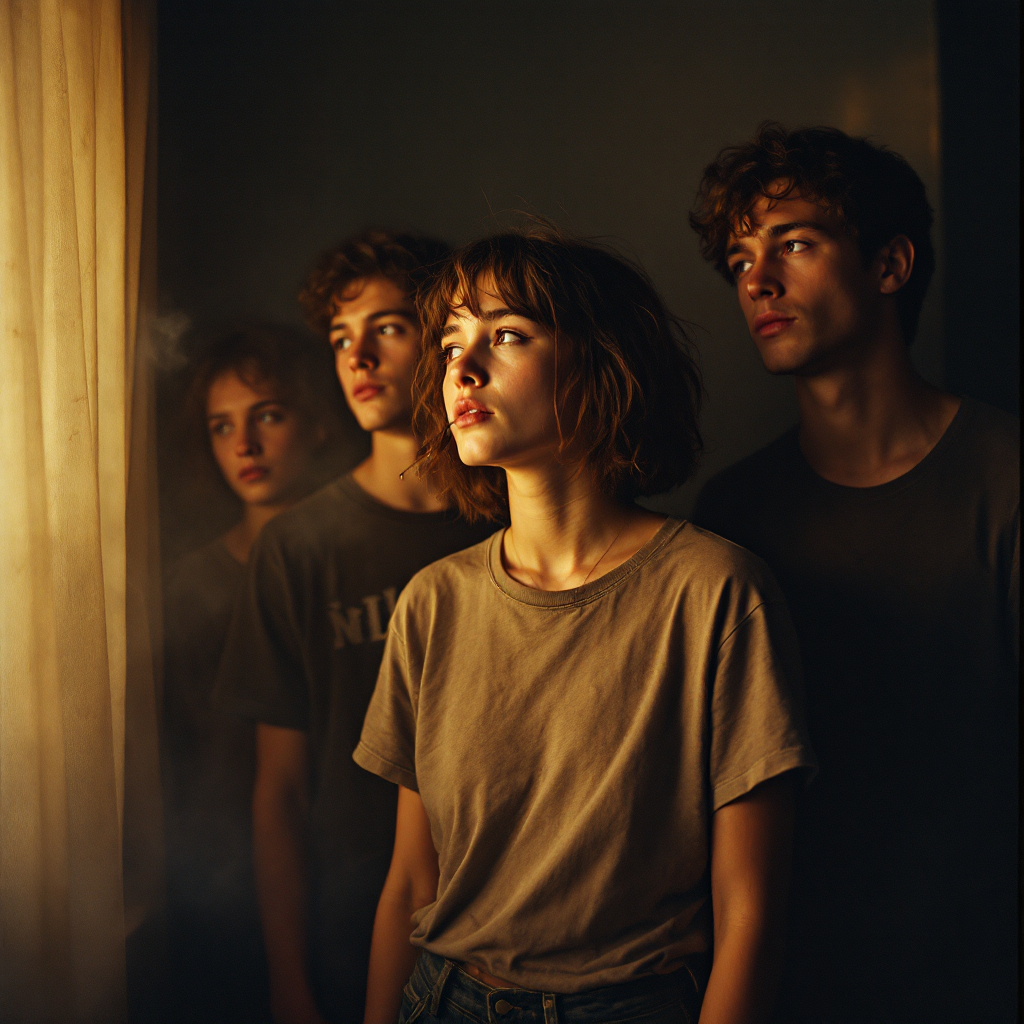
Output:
x,y
891,518
308,634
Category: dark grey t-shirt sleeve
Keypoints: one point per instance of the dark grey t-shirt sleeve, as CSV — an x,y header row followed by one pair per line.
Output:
x,y
387,746
262,673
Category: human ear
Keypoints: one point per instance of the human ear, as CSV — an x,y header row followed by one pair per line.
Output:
x,y
893,264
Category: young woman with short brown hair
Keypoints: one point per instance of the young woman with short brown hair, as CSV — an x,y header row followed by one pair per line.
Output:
x,y
592,716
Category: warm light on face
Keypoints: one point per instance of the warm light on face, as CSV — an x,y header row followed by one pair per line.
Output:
x,y
801,284
375,335
261,444
499,384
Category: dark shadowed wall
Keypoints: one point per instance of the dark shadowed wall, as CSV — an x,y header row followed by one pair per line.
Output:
x,y
979,64
285,125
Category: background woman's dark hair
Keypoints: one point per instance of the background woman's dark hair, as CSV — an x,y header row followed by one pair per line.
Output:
x,y
201,502
628,388
401,257
874,190
300,365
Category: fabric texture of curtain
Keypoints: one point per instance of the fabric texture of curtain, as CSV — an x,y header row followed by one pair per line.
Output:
x,y
79,786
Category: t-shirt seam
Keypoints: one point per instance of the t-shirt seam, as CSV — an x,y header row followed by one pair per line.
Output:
x,y
739,625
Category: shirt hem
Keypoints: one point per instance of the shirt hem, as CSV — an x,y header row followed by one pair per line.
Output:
x,y
767,768
258,713
388,770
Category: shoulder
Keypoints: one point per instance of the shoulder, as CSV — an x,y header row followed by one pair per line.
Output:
x,y
704,556
994,432
451,574
202,567
985,458
745,480
709,584
444,585
309,529
201,585
312,517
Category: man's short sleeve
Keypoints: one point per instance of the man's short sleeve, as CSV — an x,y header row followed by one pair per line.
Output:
x,y
758,728
262,670
387,746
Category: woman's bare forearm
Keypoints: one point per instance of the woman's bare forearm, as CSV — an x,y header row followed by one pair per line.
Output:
x,y
411,884
392,956
751,850
741,989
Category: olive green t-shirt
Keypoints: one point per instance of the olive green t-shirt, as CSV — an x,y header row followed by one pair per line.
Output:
x,y
570,748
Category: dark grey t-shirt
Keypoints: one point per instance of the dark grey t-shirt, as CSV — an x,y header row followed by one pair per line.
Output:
x,y
906,601
215,944
303,653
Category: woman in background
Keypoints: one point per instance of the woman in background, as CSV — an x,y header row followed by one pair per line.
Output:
x,y
263,397
593,716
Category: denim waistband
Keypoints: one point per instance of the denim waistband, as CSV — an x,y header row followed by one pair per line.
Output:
x,y
436,981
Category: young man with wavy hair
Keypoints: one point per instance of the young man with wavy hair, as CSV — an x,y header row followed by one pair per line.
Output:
x,y
891,517
308,634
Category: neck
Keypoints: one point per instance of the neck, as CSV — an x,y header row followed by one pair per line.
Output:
x,y
565,531
872,418
241,537
393,453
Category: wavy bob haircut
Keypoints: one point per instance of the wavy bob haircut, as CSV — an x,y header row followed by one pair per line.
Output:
x,y
872,189
628,387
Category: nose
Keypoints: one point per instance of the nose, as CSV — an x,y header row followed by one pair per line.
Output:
x,y
762,282
363,353
248,443
467,370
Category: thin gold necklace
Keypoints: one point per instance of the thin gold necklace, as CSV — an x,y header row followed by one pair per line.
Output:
x,y
533,579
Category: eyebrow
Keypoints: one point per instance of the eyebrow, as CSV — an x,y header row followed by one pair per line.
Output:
x,y
407,313
255,406
487,317
776,230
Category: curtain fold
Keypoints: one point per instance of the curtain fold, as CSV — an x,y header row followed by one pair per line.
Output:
x,y
75,494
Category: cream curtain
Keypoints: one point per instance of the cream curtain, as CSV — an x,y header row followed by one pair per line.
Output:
x,y
79,807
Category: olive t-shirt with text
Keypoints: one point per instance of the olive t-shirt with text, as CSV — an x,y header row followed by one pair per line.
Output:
x,y
303,652
570,748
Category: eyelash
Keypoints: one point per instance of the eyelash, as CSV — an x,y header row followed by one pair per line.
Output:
x,y
734,269
446,358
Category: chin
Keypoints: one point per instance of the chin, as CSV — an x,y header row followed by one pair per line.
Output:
x,y
782,359
474,460
476,455
376,419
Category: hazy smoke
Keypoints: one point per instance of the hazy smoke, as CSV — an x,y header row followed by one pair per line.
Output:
x,y
167,332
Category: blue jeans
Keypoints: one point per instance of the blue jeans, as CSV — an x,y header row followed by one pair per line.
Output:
x,y
439,991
